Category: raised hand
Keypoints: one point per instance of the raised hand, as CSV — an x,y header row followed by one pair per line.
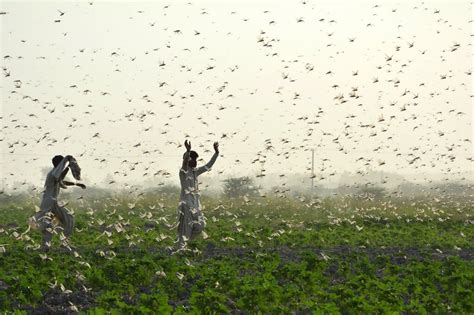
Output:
x,y
216,147
187,144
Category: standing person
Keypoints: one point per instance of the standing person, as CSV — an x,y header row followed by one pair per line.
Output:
x,y
191,220
49,208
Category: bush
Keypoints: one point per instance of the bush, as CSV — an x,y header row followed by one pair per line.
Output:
x,y
239,187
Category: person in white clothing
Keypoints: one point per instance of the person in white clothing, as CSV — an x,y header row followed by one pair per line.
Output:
x,y
191,219
49,208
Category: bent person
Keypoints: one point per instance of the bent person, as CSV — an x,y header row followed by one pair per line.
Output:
x,y
49,208
191,219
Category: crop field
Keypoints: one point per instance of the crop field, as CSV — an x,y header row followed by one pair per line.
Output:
x,y
263,255
330,144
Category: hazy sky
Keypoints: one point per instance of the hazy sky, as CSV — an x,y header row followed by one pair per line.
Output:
x,y
120,85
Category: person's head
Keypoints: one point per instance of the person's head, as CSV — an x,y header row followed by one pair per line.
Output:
x,y
57,159
192,161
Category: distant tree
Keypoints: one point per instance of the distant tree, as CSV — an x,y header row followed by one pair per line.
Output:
x,y
410,189
239,187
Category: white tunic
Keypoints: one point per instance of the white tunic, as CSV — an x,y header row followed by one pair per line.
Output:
x,y
191,220
49,205
51,187
189,184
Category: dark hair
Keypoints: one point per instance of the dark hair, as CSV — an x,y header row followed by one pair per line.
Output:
x,y
57,159
192,154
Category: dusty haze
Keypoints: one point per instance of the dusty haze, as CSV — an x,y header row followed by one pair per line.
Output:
x,y
370,87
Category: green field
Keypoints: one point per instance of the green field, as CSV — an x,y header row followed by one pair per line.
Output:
x,y
269,256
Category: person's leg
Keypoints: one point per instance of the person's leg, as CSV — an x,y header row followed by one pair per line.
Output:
x,y
199,224
66,220
185,227
47,237
198,227
43,221
66,225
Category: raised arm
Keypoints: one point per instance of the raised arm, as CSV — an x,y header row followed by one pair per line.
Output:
x,y
67,183
211,162
58,170
187,144
64,173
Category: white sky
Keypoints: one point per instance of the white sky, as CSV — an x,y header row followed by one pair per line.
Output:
x,y
117,47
